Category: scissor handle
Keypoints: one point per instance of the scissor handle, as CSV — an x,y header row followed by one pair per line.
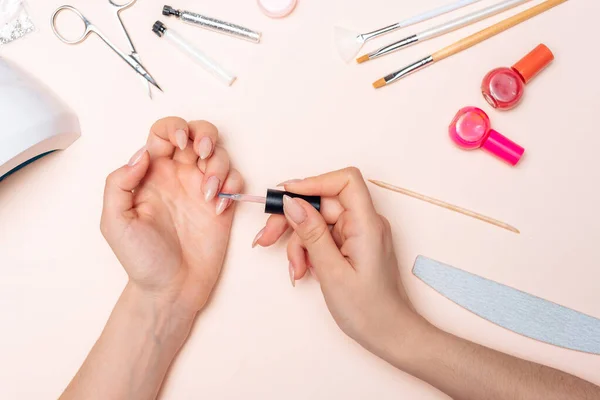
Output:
x,y
88,25
123,5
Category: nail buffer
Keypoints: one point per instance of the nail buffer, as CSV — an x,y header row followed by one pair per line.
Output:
x,y
512,309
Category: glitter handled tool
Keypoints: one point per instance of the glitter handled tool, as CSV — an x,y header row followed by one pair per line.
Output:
x,y
213,24
273,201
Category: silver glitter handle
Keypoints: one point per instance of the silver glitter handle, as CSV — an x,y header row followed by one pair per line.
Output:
x,y
217,25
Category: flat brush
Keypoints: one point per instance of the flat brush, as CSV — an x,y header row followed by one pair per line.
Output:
x,y
273,201
445,205
468,42
443,29
349,42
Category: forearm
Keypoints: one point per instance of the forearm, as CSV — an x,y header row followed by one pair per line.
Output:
x,y
466,371
133,354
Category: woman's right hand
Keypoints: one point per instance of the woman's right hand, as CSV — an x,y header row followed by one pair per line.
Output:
x,y
354,261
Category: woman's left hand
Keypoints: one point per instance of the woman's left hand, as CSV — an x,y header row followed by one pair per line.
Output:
x,y
162,216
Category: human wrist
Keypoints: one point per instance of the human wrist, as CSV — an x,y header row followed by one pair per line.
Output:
x,y
163,317
403,339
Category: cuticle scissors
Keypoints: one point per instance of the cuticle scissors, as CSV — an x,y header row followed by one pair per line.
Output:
x,y
131,59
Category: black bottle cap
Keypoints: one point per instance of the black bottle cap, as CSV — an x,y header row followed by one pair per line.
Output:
x,y
159,28
168,11
274,204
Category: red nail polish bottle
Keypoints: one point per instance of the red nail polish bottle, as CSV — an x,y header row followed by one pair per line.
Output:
x,y
504,87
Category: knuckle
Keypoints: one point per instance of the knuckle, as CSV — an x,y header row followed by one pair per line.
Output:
x,y
206,127
386,223
110,179
170,120
314,233
354,173
380,227
104,226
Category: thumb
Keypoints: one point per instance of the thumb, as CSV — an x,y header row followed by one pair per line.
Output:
x,y
118,192
311,228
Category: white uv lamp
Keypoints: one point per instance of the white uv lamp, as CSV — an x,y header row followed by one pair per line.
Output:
x,y
33,122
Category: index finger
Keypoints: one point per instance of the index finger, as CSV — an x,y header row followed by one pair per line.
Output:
x,y
347,184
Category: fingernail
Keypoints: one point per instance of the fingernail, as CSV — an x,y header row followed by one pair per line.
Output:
x,y
294,210
205,148
289,182
181,139
292,275
137,157
210,188
314,274
258,236
222,205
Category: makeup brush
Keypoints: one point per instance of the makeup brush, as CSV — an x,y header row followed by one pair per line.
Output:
x,y
443,29
445,205
273,201
349,42
468,42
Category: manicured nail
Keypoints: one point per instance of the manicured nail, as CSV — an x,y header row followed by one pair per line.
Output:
x,y
205,148
137,157
181,139
314,274
294,210
210,188
289,182
258,236
292,275
222,205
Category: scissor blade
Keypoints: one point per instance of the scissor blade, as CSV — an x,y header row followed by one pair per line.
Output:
x,y
150,79
145,82
139,68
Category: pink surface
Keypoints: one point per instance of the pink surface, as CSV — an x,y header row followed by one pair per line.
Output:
x,y
298,106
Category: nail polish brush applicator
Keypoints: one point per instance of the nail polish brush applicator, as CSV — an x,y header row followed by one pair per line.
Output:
x,y
273,201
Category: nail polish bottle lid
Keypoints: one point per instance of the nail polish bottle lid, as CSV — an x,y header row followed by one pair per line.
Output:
x,y
534,62
471,129
274,201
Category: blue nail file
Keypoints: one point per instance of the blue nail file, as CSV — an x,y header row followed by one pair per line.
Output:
x,y
512,309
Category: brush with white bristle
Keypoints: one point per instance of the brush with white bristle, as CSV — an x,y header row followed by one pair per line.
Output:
x,y
349,42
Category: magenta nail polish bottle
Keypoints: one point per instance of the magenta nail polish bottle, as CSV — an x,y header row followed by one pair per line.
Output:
x,y
470,129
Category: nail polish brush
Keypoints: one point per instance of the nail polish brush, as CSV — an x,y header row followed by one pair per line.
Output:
x,y
442,29
349,42
468,42
273,201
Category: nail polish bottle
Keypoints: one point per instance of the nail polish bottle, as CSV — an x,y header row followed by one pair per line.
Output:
x,y
470,129
504,87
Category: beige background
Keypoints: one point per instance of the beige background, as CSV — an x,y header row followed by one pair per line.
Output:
x,y
297,110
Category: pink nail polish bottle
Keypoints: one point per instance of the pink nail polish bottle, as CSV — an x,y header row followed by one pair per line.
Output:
x,y
470,129
504,87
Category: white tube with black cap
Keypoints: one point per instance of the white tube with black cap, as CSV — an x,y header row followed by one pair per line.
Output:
x,y
197,55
